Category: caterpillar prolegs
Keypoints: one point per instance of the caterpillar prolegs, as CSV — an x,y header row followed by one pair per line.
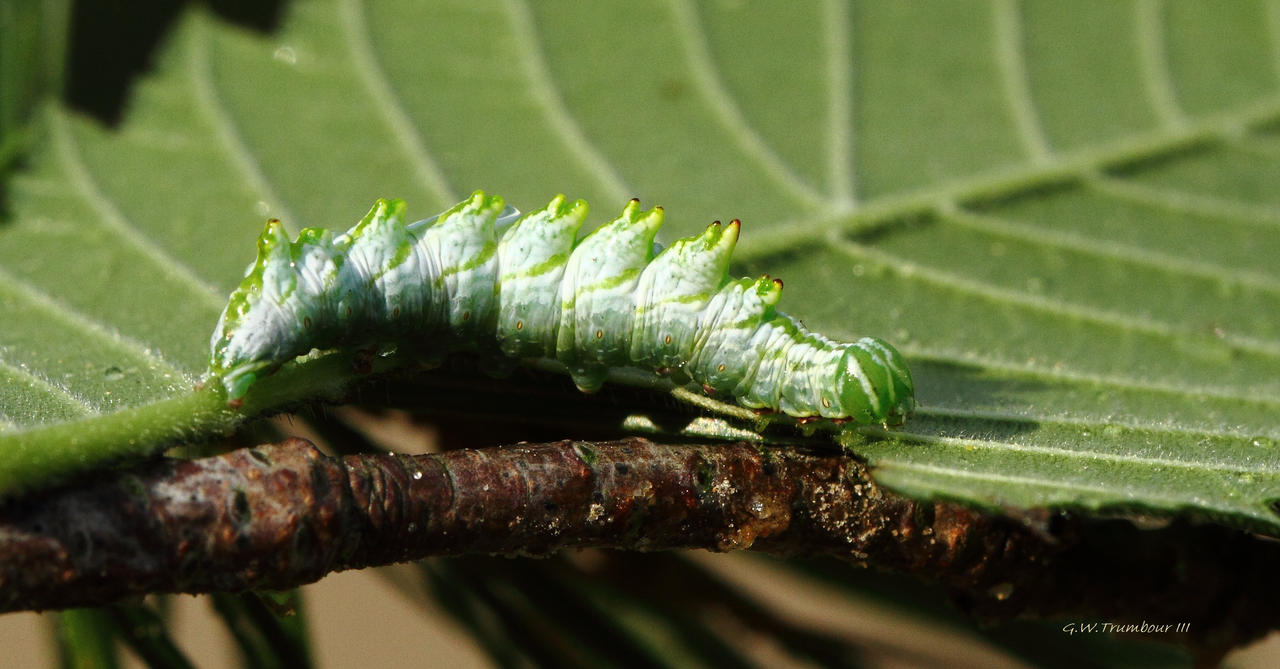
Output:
x,y
481,276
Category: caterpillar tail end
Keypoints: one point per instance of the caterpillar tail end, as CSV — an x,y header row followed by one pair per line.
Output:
x,y
902,388
874,385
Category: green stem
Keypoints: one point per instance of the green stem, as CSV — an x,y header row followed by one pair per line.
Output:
x,y
45,456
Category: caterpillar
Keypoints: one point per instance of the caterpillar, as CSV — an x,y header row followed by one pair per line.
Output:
x,y
480,276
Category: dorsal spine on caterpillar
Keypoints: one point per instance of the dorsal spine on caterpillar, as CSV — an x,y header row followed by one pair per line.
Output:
x,y
479,276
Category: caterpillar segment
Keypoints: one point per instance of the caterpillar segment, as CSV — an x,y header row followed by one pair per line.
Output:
x,y
482,276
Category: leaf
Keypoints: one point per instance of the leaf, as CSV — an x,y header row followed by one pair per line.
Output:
x,y
1073,243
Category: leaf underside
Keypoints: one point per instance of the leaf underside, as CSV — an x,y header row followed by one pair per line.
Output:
x,y
1074,244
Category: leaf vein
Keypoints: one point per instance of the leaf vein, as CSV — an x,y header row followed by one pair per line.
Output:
x,y
1082,165
1105,490
1153,57
356,30
1054,451
81,322
996,294
722,105
225,130
1011,57
1273,34
1087,423
544,91
1180,390
63,394
840,145
726,110
1183,202
110,216
1110,250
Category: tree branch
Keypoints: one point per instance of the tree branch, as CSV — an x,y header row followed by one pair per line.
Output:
x,y
278,516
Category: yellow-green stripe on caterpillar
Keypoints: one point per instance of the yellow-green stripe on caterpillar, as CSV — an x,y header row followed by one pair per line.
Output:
x,y
480,276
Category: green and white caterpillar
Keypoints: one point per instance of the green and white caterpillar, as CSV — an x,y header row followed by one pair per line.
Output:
x,y
481,277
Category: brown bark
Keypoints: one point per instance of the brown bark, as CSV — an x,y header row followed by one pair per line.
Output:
x,y
282,515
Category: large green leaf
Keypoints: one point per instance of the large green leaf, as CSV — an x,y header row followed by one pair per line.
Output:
x,y
1063,213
